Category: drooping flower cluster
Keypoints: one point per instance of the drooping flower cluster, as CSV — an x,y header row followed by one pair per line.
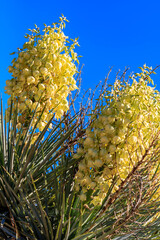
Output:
x,y
43,74
119,136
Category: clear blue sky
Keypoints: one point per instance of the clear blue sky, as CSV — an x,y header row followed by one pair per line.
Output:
x,y
115,33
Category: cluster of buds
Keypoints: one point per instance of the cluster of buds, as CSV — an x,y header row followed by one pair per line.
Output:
x,y
119,136
43,75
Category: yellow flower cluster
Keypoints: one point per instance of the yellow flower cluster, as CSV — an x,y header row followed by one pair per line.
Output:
x,y
118,138
43,74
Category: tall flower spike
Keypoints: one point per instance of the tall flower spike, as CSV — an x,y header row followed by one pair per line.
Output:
x,y
117,140
43,69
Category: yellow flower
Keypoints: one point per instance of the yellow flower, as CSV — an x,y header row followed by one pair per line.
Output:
x,y
26,71
29,103
82,166
30,79
98,163
120,135
43,67
44,71
82,197
41,86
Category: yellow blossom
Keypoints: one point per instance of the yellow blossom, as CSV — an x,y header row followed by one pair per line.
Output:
x,y
120,135
44,71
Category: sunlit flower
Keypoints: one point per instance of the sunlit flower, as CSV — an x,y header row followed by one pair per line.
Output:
x,y
119,136
42,72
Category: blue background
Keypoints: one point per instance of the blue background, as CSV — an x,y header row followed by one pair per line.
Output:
x,y
111,33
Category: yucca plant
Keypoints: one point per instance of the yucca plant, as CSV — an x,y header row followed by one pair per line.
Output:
x,y
53,162
38,198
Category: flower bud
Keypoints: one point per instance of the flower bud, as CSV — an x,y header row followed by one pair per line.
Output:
x,y
30,79
41,86
29,103
98,163
44,71
112,149
82,197
36,73
26,55
26,72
